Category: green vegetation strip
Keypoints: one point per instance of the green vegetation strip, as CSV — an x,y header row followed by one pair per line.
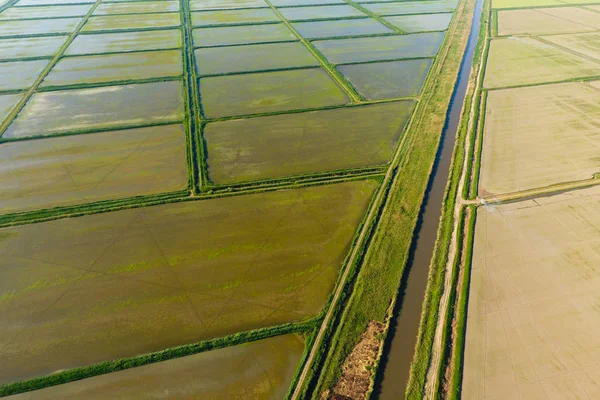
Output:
x,y
168,354
193,107
458,348
378,280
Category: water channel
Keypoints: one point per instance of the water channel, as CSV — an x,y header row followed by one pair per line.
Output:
x,y
399,348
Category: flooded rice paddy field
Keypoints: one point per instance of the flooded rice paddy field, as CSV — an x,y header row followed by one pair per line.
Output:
x,y
82,168
105,286
534,282
98,108
259,370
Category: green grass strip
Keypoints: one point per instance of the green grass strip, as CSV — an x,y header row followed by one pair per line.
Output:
x,y
458,349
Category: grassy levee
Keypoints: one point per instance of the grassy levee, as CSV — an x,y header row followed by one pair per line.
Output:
x,y
163,355
380,275
460,316
446,339
477,135
30,217
195,145
437,271
118,82
7,5
376,17
309,340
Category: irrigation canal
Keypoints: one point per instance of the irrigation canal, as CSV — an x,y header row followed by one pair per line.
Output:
x,y
399,348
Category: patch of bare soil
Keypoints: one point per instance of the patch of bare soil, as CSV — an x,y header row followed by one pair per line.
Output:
x,y
355,382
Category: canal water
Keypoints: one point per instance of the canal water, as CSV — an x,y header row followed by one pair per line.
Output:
x,y
400,345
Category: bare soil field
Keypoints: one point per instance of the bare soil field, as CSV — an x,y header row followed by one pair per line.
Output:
x,y
584,43
537,21
539,136
518,61
533,319
259,370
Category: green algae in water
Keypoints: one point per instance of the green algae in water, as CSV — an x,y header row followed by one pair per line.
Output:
x,y
30,47
142,21
391,79
40,27
340,28
320,12
258,57
20,74
137,7
125,42
229,35
115,67
317,141
267,92
339,51
62,111
233,17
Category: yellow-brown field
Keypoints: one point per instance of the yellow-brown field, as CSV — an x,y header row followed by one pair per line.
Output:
x,y
537,21
518,61
538,136
533,328
587,44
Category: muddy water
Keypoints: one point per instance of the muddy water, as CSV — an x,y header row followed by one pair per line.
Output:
x,y
398,354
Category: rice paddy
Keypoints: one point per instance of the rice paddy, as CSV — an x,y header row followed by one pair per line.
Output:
x,y
537,22
183,173
145,279
257,370
99,108
343,51
82,168
224,96
318,141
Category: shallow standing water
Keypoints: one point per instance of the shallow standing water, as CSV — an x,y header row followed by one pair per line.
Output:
x,y
399,348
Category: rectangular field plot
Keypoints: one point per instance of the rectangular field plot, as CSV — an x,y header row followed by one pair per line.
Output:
x,y
225,4
41,27
539,136
30,47
287,3
294,144
536,22
44,12
224,96
51,2
82,290
525,3
526,61
340,28
122,22
320,12
258,370
229,35
20,74
421,23
583,43
533,319
137,7
257,57
125,42
340,51
101,108
414,7
233,17
389,79
576,14
84,168
115,67
7,102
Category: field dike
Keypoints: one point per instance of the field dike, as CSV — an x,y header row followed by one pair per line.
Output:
x,y
379,276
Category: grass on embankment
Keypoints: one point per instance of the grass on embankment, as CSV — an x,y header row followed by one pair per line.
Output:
x,y
435,287
380,275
